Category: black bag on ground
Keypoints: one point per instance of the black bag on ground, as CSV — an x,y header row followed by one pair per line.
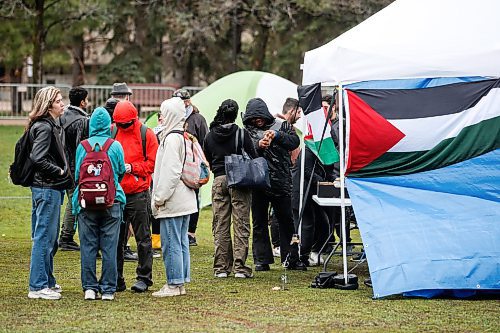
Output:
x,y
21,170
324,280
242,171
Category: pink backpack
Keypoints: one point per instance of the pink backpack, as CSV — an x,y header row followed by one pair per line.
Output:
x,y
96,182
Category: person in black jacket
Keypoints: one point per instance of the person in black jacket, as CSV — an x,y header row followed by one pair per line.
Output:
x,y
75,123
197,126
51,177
223,139
273,139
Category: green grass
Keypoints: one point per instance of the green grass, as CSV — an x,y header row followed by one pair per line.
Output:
x,y
211,305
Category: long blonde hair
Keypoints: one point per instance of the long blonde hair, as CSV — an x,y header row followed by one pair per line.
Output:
x,y
44,99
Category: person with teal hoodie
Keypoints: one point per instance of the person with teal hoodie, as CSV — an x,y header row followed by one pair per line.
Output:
x,y
99,229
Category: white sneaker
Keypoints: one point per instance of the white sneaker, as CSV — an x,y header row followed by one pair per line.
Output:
x,y
57,288
46,293
221,275
243,276
313,259
108,297
276,252
89,295
167,291
183,290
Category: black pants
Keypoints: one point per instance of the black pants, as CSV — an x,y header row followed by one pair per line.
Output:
x,y
282,206
314,227
193,218
136,213
335,215
275,229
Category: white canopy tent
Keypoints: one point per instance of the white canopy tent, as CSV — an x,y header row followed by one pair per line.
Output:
x,y
413,39
409,39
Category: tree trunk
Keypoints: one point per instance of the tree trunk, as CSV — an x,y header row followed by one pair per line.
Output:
x,y
259,48
38,42
78,66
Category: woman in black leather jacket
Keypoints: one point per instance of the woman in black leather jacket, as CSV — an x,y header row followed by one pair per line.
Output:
x,y
51,178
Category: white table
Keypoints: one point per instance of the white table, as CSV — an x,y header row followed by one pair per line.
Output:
x,y
331,202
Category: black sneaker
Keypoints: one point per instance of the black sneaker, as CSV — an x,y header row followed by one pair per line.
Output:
x,y
368,282
262,268
129,255
121,287
192,240
69,245
139,286
297,266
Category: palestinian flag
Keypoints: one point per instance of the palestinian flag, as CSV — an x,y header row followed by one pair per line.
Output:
x,y
424,181
402,131
319,138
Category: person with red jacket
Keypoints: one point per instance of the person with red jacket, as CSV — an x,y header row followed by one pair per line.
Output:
x,y
135,184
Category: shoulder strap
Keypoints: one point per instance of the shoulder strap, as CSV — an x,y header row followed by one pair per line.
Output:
x,y
107,144
114,131
86,146
144,130
240,139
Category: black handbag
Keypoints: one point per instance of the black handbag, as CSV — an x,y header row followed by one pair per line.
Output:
x,y
242,171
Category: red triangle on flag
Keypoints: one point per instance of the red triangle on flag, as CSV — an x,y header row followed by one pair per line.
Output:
x,y
370,136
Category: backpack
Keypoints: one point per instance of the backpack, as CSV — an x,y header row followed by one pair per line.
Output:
x,y
96,182
195,171
21,171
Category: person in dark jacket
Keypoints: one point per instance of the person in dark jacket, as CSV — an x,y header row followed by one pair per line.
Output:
x,y
197,126
75,123
51,178
273,140
224,139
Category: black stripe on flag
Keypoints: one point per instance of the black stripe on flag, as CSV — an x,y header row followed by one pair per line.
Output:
x,y
310,97
426,102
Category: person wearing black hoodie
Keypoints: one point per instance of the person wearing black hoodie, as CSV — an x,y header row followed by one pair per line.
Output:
x,y
273,139
222,140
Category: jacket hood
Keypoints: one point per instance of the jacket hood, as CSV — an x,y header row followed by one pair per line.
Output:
x,y
223,133
100,123
124,112
173,113
257,108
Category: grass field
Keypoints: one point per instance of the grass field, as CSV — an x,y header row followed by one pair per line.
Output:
x,y
211,305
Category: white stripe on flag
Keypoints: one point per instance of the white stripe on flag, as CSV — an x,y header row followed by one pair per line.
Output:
x,y
425,133
317,121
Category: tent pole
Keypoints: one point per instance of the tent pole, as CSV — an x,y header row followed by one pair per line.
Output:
x,y
342,183
302,174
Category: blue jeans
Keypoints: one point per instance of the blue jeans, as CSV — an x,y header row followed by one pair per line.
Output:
x,y
175,249
45,215
99,230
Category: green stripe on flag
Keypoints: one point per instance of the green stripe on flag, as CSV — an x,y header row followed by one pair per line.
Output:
x,y
472,141
328,154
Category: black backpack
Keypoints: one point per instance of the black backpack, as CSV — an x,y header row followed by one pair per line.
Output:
x,y
21,170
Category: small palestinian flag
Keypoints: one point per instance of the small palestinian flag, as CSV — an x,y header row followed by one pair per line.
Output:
x,y
403,131
319,138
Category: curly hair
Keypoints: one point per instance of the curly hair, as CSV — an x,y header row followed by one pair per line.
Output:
x,y
226,113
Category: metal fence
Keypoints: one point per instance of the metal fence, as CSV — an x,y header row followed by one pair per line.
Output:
x,y
16,99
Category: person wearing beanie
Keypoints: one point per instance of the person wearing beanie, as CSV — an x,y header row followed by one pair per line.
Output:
x,y
110,106
135,184
229,202
99,229
172,201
